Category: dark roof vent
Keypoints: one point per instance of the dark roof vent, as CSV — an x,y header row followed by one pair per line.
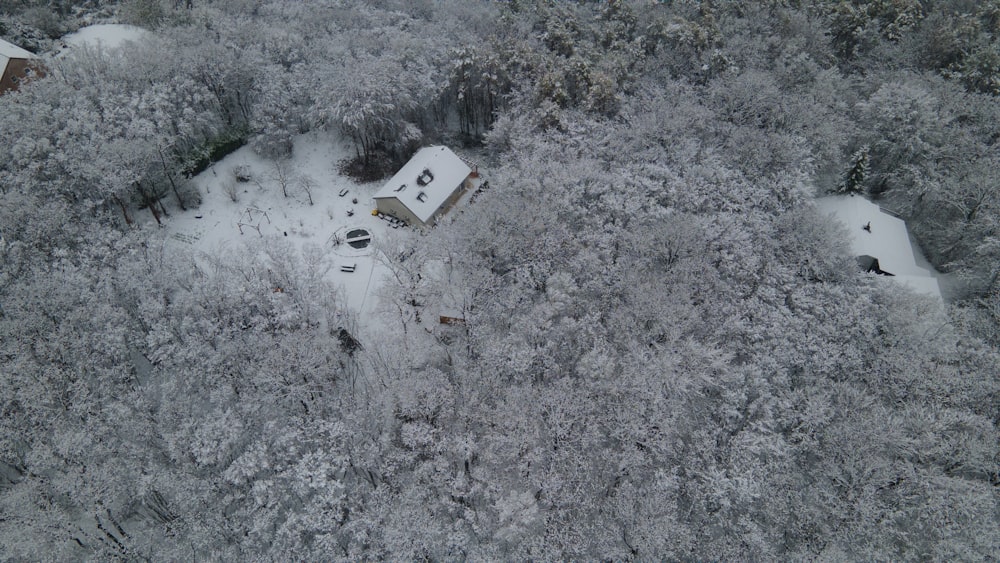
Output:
x,y
421,196
425,177
400,188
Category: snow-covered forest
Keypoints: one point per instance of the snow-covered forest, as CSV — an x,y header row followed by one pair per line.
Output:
x,y
667,352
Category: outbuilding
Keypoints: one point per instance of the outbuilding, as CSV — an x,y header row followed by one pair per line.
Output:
x,y
425,187
17,66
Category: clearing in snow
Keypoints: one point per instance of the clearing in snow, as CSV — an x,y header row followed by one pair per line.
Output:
x,y
236,210
106,36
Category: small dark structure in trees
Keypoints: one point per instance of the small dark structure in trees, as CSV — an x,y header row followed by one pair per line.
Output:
x,y
348,343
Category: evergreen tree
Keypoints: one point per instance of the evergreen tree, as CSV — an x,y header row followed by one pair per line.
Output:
x,y
854,181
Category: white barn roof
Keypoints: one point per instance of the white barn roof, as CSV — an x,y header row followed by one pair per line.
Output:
x,y
446,170
886,239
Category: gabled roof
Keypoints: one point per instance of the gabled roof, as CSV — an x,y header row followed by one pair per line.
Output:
x,y
10,51
882,236
439,171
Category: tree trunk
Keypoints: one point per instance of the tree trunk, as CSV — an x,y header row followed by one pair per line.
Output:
x,y
152,208
170,178
121,204
150,203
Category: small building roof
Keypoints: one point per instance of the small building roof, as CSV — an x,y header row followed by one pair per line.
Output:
x,y
10,51
882,236
425,182
885,238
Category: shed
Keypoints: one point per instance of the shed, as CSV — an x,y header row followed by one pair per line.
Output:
x,y
425,187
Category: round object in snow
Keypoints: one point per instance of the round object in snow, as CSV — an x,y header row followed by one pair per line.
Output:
x,y
359,238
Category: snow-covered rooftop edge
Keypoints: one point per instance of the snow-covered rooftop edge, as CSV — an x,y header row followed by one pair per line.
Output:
x,y
11,51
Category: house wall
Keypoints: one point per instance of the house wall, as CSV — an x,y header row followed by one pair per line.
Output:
x,y
14,74
394,207
452,199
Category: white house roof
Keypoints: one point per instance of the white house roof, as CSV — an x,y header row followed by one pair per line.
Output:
x,y
885,239
10,51
447,171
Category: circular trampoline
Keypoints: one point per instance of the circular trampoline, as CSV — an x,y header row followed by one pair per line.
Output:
x,y
358,238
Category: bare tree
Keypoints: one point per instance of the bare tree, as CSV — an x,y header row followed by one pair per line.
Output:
x,y
308,184
281,172
231,189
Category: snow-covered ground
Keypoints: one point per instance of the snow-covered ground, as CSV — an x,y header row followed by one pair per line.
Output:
x,y
262,211
107,36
